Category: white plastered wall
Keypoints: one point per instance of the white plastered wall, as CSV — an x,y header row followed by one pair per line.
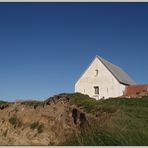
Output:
x,y
108,84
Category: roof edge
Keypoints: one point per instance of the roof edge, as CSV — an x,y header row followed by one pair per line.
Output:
x,y
86,69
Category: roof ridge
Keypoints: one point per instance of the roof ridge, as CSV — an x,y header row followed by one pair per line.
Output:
x,y
109,62
117,71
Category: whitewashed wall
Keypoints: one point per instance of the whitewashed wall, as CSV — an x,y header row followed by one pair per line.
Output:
x,y
108,84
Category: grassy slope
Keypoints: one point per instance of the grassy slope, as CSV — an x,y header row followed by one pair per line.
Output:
x,y
128,124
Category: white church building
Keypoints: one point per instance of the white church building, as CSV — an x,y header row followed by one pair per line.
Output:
x,y
102,79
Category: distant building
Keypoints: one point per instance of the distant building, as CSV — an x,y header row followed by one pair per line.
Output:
x,y
136,89
103,79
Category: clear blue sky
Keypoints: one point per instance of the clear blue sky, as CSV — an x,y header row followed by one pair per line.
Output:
x,y
44,47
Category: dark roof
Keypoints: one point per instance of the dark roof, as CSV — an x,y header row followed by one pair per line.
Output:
x,y
118,73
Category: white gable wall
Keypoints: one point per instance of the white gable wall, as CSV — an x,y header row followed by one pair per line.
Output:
x,y
107,83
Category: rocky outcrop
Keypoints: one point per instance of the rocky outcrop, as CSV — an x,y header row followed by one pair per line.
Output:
x,y
40,123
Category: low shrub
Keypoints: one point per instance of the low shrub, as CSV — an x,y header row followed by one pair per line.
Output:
x,y
32,103
3,102
13,121
5,133
34,125
38,126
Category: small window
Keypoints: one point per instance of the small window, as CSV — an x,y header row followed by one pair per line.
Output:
x,y
96,72
96,88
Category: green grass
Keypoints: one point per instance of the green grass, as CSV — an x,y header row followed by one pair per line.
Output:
x,y
90,105
127,125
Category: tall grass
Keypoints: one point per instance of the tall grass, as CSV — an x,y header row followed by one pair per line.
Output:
x,y
103,137
127,126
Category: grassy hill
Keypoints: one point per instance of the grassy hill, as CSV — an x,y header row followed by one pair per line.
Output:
x,y
126,121
111,122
